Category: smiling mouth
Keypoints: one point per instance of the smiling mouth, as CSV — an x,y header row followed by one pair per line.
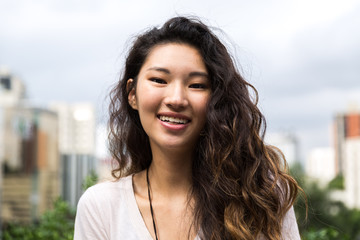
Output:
x,y
173,120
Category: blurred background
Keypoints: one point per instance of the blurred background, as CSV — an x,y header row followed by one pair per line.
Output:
x,y
59,60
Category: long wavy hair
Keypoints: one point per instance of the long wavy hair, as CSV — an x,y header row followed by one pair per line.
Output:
x,y
240,184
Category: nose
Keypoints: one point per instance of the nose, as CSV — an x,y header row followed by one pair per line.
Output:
x,y
176,96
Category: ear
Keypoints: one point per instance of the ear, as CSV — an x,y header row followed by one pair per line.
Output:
x,y
131,96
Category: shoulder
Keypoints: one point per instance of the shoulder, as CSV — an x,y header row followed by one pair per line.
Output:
x,y
107,192
99,205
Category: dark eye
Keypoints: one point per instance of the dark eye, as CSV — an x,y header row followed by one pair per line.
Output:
x,y
158,80
198,85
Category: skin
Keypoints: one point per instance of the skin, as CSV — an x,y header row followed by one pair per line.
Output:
x,y
173,82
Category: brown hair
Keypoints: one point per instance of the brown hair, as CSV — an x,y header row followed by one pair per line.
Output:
x,y
240,184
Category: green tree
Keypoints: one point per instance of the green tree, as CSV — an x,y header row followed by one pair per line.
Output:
x,y
337,183
54,224
326,218
90,180
322,234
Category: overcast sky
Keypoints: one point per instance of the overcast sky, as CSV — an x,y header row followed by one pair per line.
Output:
x,y
303,55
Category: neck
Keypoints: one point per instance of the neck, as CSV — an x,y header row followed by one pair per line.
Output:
x,y
171,173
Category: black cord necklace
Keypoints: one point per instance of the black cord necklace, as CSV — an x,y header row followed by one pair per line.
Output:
x,y
151,208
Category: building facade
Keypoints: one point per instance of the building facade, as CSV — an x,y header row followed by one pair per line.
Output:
x,y
76,146
288,144
347,148
29,156
320,165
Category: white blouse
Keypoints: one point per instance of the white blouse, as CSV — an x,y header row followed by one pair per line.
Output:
x,y
108,211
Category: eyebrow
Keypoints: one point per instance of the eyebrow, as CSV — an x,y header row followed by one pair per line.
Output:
x,y
164,70
201,74
191,74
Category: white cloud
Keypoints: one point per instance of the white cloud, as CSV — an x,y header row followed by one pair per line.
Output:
x,y
302,55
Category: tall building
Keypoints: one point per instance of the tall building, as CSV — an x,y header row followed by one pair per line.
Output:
x,y
347,148
287,143
29,154
339,142
12,89
12,93
320,165
105,161
76,146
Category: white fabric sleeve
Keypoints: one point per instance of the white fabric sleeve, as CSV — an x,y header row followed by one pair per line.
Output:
x,y
290,230
88,221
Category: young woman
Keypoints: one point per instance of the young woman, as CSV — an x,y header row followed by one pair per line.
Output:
x,y
188,140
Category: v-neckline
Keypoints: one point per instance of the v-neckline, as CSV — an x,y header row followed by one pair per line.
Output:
x,y
135,214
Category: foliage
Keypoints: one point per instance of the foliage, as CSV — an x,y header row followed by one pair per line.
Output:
x,y
322,234
90,180
326,218
337,183
55,224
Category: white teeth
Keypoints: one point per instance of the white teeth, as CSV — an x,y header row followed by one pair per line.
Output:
x,y
173,120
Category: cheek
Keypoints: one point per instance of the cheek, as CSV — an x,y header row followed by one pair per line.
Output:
x,y
145,105
147,100
201,107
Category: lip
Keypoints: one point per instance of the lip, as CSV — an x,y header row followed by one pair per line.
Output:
x,y
175,115
174,127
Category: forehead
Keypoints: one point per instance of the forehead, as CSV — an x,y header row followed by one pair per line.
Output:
x,y
175,56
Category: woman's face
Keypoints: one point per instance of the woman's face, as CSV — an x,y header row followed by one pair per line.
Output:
x,y
171,96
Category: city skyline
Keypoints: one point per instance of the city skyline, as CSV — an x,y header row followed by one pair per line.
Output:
x,y
302,56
